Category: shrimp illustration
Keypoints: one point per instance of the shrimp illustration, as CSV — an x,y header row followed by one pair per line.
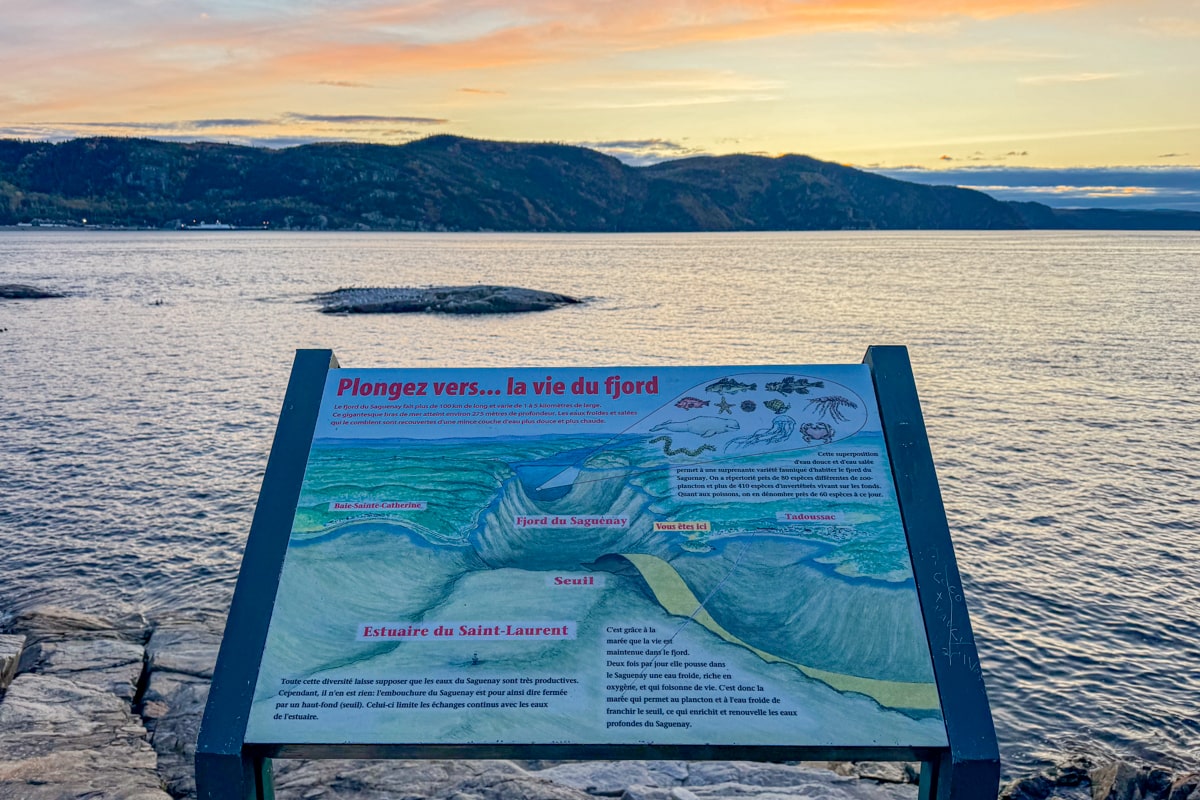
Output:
x,y
831,406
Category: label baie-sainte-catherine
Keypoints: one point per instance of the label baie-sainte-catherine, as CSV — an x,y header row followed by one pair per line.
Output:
x,y
690,555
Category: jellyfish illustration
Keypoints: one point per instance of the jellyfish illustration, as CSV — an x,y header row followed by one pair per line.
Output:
x,y
781,428
831,405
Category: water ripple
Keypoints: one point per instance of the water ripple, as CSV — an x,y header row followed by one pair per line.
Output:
x,y
1057,371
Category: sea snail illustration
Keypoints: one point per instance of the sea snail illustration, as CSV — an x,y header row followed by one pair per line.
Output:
x,y
776,405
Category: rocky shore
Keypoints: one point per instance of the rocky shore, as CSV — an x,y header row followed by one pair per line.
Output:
x,y
109,710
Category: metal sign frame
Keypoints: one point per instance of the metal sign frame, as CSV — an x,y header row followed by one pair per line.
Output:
x,y
968,769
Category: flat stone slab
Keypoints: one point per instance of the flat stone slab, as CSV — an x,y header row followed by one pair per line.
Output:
x,y
440,299
55,623
113,665
172,708
190,651
63,739
629,780
21,291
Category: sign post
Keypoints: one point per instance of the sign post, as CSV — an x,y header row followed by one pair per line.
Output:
x,y
652,563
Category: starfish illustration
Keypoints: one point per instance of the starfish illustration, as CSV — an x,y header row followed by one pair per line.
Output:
x,y
724,407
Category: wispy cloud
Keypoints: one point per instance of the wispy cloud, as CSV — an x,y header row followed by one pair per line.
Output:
x,y
202,124
346,84
1071,77
473,90
487,34
356,119
1171,27
1037,136
673,102
255,132
642,152
1112,187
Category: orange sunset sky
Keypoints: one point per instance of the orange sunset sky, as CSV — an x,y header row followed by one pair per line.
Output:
x,y
1093,96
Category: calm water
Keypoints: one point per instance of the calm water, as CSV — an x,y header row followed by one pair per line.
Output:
x,y
1058,374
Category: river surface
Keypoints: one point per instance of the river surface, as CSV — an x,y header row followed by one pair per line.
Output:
x,y
1058,374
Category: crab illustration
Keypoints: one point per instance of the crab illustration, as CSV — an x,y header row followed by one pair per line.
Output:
x,y
817,432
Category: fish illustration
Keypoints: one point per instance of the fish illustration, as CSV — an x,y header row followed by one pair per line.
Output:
x,y
798,385
699,426
776,405
688,403
731,386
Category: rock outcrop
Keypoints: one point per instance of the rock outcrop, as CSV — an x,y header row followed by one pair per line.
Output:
x,y
67,724
21,291
110,710
440,299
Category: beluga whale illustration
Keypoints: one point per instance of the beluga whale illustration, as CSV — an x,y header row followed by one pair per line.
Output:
x,y
698,426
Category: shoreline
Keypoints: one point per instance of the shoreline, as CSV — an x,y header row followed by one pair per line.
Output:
x,y
113,706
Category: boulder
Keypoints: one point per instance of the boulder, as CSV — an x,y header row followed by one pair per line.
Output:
x,y
1121,780
1185,787
440,299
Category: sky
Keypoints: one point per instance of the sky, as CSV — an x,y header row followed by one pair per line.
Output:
x,y
1069,102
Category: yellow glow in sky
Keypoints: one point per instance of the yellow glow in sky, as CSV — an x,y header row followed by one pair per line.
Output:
x,y
1021,83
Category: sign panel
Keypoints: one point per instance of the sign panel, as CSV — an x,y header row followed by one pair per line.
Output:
x,y
598,556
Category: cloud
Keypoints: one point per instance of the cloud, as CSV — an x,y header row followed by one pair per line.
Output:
x,y
377,38
674,102
278,131
643,152
472,90
75,59
1111,187
359,119
1072,77
227,123
1170,27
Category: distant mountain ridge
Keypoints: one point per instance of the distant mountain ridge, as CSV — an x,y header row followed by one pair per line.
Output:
x,y
455,183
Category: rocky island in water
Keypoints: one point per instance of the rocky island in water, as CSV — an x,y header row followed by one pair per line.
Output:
x,y
477,299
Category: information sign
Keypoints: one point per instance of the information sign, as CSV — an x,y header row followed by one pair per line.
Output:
x,y
667,555
743,562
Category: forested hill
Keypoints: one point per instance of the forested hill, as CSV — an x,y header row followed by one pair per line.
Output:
x,y
452,183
